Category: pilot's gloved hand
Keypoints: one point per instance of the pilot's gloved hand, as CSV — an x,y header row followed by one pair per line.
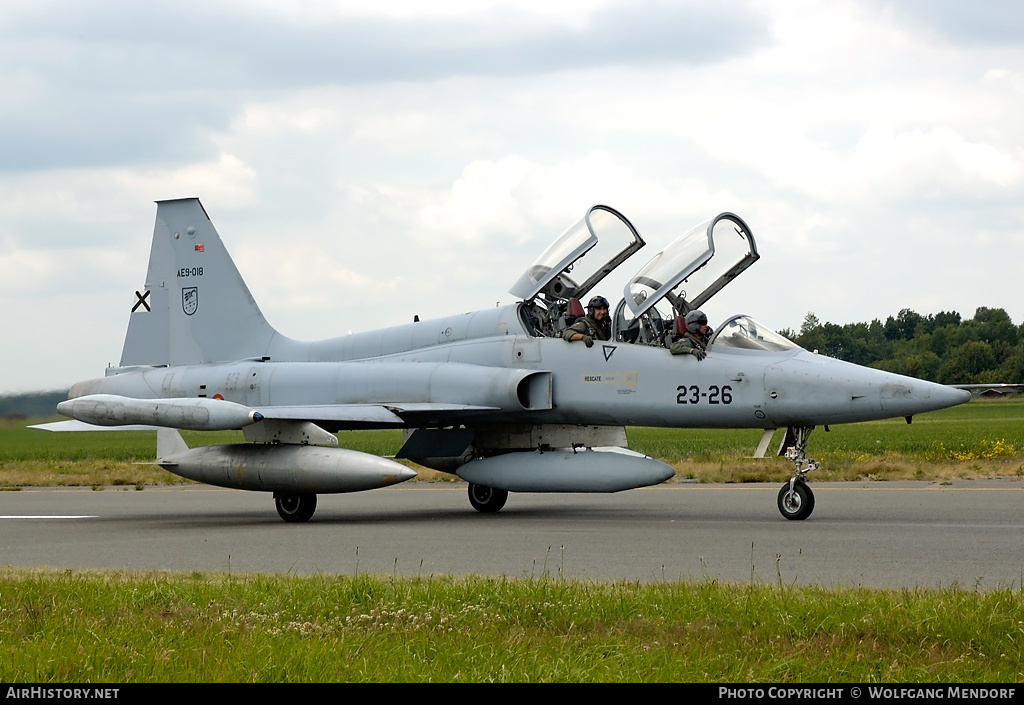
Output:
x,y
698,353
588,341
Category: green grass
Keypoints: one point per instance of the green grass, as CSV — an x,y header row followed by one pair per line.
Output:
x,y
30,457
19,443
967,429
120,627
982,439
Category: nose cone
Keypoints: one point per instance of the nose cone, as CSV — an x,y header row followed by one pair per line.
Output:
x,y
810,389
906,396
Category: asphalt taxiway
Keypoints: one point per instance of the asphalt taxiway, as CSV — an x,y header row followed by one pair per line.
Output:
x,y
903,534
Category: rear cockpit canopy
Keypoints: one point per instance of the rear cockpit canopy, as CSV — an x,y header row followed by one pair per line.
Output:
x,y
591,249
603,236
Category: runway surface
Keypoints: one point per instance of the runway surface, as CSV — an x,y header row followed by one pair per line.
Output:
x,y
872,534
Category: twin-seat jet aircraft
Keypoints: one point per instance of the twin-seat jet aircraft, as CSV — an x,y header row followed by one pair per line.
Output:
x,y
495,396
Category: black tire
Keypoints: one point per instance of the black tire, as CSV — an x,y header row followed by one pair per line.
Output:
x,y
295,508
798,503
487,499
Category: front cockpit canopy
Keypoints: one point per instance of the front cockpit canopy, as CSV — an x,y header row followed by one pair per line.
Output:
x,y
684,273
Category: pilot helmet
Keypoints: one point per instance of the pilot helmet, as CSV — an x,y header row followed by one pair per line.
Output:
x,y
597,302
694,320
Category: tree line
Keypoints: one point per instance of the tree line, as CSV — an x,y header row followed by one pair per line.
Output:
x,y
943,347
31,403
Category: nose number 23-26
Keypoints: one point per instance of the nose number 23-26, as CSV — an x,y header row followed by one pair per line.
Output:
x,y
713,395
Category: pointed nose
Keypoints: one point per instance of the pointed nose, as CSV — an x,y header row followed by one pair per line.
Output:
x,y
809,389
906,396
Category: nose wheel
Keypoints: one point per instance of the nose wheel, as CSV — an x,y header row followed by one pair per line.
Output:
x,y
796,501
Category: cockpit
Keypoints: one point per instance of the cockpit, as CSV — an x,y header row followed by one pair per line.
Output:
x,y
654,302
590,249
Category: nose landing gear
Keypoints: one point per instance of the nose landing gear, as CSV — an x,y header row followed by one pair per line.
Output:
x,y
796,501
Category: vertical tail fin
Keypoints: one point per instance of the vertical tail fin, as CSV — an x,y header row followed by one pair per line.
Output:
x,y
195,307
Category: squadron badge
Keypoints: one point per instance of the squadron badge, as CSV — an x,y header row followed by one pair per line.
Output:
x,y
190,300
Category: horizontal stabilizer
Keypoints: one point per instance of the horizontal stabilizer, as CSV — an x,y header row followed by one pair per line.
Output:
x,y
60,426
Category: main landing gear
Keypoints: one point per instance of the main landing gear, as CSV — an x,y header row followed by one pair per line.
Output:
x,y
487,499
295,508
796,501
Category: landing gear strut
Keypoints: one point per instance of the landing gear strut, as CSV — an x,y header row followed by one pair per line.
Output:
x,y
295,508
796,501
487,499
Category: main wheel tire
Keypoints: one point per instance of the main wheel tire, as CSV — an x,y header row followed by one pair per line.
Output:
x,y
486,499
295,508
796,503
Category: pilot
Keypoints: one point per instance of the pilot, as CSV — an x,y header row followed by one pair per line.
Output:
x,y
695,340
595,325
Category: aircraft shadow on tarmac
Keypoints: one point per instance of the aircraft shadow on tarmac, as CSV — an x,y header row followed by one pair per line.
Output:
x,y
457,517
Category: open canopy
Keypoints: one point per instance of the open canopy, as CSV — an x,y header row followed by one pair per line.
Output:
x,y
593,246
684,275
695,267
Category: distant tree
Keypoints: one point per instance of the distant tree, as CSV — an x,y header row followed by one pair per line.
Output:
x,y
31,403
943,318
811,337
1011,371
942,347
970,363
904,326
996,326
810,323
923,365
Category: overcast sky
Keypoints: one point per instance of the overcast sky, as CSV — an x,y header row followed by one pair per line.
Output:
x,y
365,162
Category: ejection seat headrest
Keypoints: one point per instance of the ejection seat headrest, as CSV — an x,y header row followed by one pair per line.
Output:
x,y
575,308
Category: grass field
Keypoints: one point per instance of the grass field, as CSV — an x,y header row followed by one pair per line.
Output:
x,y
76,627
984,438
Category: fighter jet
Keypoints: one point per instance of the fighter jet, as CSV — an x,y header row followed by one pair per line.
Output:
x,y
496,396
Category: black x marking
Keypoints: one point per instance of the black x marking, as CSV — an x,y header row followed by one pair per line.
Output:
x,y
142,301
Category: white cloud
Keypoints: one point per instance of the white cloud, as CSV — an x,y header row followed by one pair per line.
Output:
x,y
420,167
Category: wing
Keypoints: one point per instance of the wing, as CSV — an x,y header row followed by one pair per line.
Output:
x,y
386,415
334,417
